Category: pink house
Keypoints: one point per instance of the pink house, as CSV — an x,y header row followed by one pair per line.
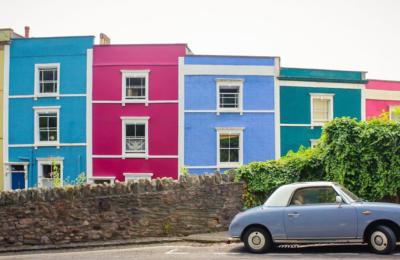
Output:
x,y
382,96
135,111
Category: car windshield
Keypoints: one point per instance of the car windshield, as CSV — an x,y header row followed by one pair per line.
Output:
x,y
349,194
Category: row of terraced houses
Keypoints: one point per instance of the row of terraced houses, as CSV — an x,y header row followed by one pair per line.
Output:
x,y
122,112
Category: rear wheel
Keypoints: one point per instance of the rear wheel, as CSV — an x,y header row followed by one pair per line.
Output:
x,y
257,240
382,240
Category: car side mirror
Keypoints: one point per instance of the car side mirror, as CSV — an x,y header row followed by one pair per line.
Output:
x,y
339,200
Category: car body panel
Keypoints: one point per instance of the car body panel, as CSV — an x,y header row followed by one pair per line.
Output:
x,y
345,222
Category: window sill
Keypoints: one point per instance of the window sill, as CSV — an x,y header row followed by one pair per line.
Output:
x,y
219,111
228,165
138,156
37,145
135,101
36,96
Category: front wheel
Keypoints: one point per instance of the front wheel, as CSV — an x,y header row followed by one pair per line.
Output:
x,y
257,240
382,240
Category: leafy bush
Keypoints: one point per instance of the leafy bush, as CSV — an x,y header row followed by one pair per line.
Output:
x,y
363,156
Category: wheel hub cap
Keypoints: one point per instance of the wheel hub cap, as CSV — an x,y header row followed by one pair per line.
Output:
x,y
256,240
379,241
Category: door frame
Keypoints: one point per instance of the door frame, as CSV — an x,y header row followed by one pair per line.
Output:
x,y
8,173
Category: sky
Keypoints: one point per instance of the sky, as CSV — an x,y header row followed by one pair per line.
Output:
x,y
362,35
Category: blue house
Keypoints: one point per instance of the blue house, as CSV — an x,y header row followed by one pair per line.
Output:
x,y
228,111
49,104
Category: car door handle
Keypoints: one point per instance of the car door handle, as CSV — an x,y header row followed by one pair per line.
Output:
x,y
293,214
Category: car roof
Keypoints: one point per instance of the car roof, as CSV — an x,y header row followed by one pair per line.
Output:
x,y
311,184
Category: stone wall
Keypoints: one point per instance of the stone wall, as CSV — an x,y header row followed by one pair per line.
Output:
x,y
162,207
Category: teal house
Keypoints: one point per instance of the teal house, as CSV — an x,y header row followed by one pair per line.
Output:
x,y
311,97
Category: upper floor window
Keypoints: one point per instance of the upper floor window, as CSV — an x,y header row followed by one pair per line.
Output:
x,y
135,85
47,79
321,108
314,195
229,95
230,147
46,125
394,113
135,136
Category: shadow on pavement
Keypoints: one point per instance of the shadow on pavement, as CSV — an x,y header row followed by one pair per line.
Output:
x,y
315,249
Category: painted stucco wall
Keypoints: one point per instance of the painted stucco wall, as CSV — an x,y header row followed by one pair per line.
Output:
x,y
201,118
296,109
71,54
381,94
162,62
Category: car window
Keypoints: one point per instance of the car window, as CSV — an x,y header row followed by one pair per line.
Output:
x,y
313,195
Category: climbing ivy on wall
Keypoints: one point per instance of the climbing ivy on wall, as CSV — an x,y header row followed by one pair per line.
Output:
x,y
363,156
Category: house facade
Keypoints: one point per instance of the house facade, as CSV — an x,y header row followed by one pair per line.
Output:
x,y
228,111
135,111
382,96
46,111
311,97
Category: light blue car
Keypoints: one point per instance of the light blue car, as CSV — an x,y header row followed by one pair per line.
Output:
x,y
317,212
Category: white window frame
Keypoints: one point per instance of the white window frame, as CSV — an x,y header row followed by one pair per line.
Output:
x,y
391,108
135,120
313,142
111,179
37,77
131,176
324,96
40,110
49,161
230,83
230,130
135,73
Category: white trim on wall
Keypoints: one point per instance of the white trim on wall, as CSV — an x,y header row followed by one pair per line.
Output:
x,y
58,96
46,145
37,86
6,91
313,84
181,115
135,120
120,156
242,70
277,110
217,112
363,104
128,102
230,130
133,74
298,125
89,118
381,94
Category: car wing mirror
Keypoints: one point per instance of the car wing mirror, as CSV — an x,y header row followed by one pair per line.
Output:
x,y
339,200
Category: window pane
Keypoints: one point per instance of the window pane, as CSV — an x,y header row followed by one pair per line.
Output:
x,y
321,111
53,135
130,130
44,136
42,121
314,195
48,74
46,170
229,97
136,87
135,145
224,155
140,130
234,155
52,121
224,141
234,141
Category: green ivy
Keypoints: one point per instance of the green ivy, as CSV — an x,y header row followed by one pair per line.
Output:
x,y
364,156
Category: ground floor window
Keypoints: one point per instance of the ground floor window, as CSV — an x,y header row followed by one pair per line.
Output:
x,y
50,173
137,176
229,147
103,179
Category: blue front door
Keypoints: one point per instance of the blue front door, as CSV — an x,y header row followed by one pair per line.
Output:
x,y
17,180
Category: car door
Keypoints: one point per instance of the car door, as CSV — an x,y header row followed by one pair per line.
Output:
x,y
314,214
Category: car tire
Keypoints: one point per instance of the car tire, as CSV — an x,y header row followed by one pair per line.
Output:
x,y
257,240
382,240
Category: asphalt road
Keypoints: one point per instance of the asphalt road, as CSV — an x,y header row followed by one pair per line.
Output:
x,y
187,251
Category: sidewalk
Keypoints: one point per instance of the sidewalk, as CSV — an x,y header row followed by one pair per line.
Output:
x,y
218,237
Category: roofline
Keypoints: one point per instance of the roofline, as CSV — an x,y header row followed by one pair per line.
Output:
x,y
325,69
54,37
386,80
235,56
141,44
322,80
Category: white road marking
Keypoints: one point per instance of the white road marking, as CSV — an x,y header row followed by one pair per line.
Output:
x,y
227,253
174,252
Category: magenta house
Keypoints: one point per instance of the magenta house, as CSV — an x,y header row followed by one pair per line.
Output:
x,y
382,96
135,111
